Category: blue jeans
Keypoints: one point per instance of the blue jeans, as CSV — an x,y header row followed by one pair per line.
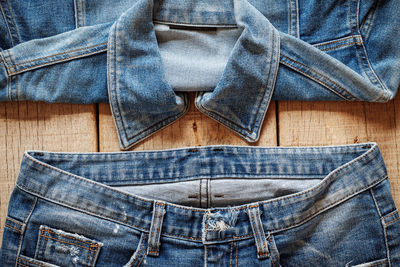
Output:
x,y
143,57
208,206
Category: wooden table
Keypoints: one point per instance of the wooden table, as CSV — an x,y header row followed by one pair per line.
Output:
x,y
80,128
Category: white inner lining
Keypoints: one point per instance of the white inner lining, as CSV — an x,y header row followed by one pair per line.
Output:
x,y
207,193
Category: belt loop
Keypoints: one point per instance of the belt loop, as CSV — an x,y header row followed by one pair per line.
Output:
x,y
155,228
261,241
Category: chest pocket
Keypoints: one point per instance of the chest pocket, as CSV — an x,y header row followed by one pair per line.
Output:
x,y
66,249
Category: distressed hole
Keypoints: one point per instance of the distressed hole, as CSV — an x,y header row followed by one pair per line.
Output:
x,y
218,149
193,150
366,146
193,196
218,195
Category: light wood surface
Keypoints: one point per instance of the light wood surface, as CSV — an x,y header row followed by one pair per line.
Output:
x,y
78,128
53,127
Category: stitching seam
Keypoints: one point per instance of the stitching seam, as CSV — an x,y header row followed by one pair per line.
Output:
x,y
338,40
57,61
391,222
237,252
362,55
36,263
142,241
58,54
375,202
13,228
390,214
267,85
69,243
14,221
69,237
8,27
194,238
13,21
347,44
336,172
230,257
320,75
116,100
386,243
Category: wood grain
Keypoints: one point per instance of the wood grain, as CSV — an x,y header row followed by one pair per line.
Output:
x,y
193,129
330,123
66,127
28,125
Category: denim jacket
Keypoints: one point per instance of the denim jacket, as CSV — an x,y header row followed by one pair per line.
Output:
x,y
136,55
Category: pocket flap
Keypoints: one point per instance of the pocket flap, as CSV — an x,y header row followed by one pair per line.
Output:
x,y
66,249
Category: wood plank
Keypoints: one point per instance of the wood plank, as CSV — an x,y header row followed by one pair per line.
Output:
x,y
193,129
29,125
330,123
382,120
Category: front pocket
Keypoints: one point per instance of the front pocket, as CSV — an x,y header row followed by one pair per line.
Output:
x,y
140,252
66,249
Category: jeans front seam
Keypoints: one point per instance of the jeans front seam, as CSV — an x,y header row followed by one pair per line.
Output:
x,y
386,242
383,224
21,236
230,256
237,253
375,202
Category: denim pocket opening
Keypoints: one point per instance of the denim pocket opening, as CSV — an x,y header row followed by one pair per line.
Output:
x,y
140,253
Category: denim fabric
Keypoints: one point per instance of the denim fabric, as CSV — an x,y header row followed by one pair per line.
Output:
x,y
206,206
142,57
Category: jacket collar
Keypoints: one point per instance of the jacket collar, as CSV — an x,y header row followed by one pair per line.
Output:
x,y
142,101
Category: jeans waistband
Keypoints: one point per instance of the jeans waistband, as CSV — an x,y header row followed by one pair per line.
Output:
x,y
84,182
